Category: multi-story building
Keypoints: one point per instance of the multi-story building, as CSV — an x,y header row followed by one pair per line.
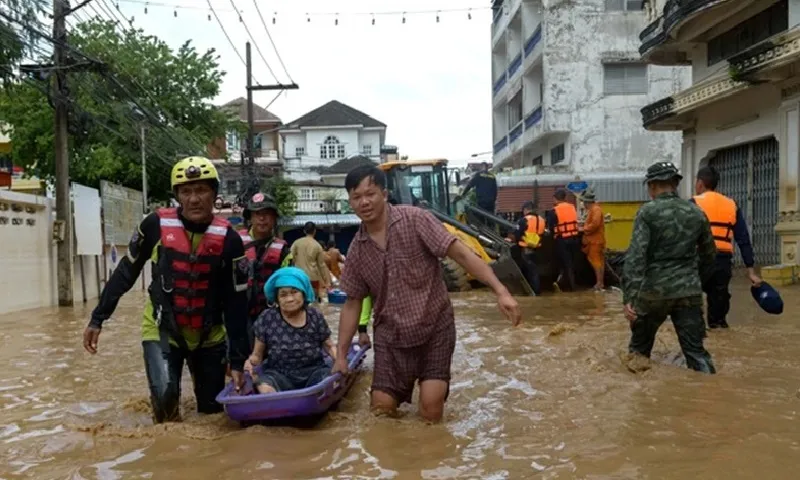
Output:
x,y
324,138
742,112
228,152
568,84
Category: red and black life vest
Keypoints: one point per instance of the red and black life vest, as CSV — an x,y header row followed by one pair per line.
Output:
x,y
186,275
260,269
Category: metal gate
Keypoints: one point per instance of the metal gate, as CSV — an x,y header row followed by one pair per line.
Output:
x,y
749,175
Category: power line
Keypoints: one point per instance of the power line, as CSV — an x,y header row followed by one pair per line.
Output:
x,y
269,35
308,15
258,49
226,34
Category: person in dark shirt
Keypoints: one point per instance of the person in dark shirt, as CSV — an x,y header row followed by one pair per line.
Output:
x,y
197,294
293,336
727,225
485,185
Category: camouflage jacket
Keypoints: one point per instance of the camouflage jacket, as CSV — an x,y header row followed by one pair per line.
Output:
x,y
671,251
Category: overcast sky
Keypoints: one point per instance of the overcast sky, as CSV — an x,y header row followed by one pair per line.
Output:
x,y
428,82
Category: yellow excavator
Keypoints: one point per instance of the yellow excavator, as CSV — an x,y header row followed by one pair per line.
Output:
x,y
426,183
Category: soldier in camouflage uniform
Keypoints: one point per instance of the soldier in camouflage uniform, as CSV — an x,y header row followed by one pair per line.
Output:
x,y
671,249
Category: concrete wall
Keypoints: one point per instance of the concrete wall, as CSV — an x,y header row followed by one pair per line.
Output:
x,y
28,257
606,132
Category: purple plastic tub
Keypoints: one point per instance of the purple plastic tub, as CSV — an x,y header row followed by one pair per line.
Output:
x,y
292,403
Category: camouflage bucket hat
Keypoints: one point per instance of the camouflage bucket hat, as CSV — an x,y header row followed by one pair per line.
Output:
x,y
588,196
662,171
259,202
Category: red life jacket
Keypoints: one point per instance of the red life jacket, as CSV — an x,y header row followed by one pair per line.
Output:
x,y
260,269
190,273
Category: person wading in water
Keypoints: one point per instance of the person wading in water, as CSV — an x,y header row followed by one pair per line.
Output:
x,y
395,259
198,293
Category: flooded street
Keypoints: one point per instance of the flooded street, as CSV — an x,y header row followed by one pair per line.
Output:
x,y
550,399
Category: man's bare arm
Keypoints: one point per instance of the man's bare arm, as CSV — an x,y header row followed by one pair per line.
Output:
x,y
473,264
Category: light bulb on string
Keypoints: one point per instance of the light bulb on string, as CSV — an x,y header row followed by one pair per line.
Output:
x,y
145,7
175,13
437,17
336,22
404,17
209,16
469,14
240,18
274,14
117,4
308,19
373,19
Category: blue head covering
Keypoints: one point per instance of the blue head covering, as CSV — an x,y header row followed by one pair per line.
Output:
x,y
292,277
768,298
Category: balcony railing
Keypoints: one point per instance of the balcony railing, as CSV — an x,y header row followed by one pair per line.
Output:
x,y
498,84
515,133
513,67
533,117
675,11
658,111
503,143
533,40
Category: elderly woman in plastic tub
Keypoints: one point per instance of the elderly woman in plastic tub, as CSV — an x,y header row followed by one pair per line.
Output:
x,y
292,335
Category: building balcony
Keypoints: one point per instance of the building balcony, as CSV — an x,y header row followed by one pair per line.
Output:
x,y
500,86
770,61
533,49
501,145
515,65
666,40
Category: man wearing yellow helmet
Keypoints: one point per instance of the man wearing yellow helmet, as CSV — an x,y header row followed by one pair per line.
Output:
x,y
197,295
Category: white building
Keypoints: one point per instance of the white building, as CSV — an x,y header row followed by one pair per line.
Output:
x,y
741,112
568,85
322,138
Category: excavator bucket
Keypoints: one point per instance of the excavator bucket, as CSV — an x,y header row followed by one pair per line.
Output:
x,y
509,274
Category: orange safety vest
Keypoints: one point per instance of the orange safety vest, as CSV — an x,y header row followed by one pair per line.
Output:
x,y
260,269
721,213
534,231
188,276
567,220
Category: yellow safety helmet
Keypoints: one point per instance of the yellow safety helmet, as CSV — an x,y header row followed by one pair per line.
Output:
x,y
194,169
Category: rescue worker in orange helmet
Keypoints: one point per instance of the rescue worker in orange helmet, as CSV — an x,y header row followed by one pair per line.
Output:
x,y
528,236
196,312
265,252
563,222
727,224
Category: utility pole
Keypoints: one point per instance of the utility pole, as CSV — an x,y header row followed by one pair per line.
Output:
x,y
63,201
144,175
250,153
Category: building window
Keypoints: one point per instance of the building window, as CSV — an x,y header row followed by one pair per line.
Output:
x,y
515,110
331,148
231,187
366,150
624,5
232,141
537,161
755,29
308,194
625,79
299,151
557,154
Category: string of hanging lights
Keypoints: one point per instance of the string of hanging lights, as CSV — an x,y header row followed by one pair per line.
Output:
x,y
146,4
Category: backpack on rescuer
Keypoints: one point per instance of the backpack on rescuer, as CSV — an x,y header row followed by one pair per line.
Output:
x,y
187,278
260,269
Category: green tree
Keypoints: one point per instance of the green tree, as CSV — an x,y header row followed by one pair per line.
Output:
x,y
140,83
15,42
283,192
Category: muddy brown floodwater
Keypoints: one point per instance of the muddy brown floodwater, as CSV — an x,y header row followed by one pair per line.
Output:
x,y
550,399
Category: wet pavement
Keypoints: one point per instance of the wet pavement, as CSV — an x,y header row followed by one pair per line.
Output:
x,y
551,399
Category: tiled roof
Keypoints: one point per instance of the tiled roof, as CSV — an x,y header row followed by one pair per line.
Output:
x,y
341,219
344,166
334,114
239,108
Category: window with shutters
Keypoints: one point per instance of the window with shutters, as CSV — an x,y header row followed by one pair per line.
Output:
x,y
625,79
537,161
624,5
